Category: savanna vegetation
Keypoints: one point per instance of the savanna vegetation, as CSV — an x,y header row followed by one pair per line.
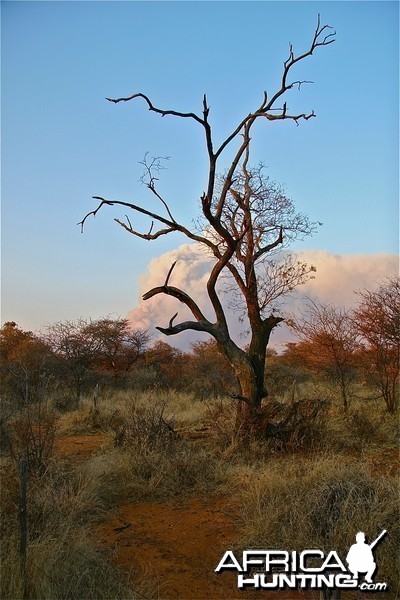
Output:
x,y
301,446
324,469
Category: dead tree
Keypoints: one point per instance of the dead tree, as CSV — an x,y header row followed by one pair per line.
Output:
x,y
244,224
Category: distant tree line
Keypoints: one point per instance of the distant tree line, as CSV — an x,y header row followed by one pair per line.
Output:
x,y
71,358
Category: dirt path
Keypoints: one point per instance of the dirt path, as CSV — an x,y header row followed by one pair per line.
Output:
x,y
79,447
179,544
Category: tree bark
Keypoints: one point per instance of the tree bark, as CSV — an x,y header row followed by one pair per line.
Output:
x,y
249,368
250,377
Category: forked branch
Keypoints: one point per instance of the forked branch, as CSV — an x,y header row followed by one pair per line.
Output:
x,y
187,326
149,178
269,247
266,106
171,225
95,211
179,295
319,39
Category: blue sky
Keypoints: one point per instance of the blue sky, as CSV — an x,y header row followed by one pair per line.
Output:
x,y
63,143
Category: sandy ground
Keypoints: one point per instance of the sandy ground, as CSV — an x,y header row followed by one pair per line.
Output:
x,y
79,447
178,544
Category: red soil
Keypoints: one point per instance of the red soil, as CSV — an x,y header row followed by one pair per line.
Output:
x,y
79,447
179,544
176,544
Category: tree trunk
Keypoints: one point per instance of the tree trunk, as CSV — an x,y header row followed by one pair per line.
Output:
x,y
343,390
250,391
249,368
248,422
249,416
78,391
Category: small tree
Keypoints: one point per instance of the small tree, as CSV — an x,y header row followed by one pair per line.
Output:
x,y
245,220
25,364
329,343
27,422
118,345
166,366
84,347
74,352
377,319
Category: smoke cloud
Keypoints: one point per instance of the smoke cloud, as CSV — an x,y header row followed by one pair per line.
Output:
x,y
337,280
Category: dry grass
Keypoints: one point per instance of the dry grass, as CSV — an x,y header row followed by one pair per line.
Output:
x,y
61,563
295,503
365,426
152,458
61,569
155,473
186,411
318,495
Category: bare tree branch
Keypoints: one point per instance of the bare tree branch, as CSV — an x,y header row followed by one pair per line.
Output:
x,y
171,225
172,319
186,326
269,247
94,212
212,293
155,165
161,112
143,236
169,273
265,106
317,41
179,295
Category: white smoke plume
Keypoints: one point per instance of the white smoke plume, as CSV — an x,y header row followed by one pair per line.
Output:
x,y
337,279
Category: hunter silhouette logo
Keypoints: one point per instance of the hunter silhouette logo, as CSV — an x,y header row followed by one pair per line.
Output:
x,y
360,558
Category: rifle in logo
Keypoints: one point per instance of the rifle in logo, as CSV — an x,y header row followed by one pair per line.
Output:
x,y
360,557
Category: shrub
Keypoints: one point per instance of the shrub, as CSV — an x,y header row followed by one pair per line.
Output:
x,y
145,426
295,504
181,470
31,434
61,563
